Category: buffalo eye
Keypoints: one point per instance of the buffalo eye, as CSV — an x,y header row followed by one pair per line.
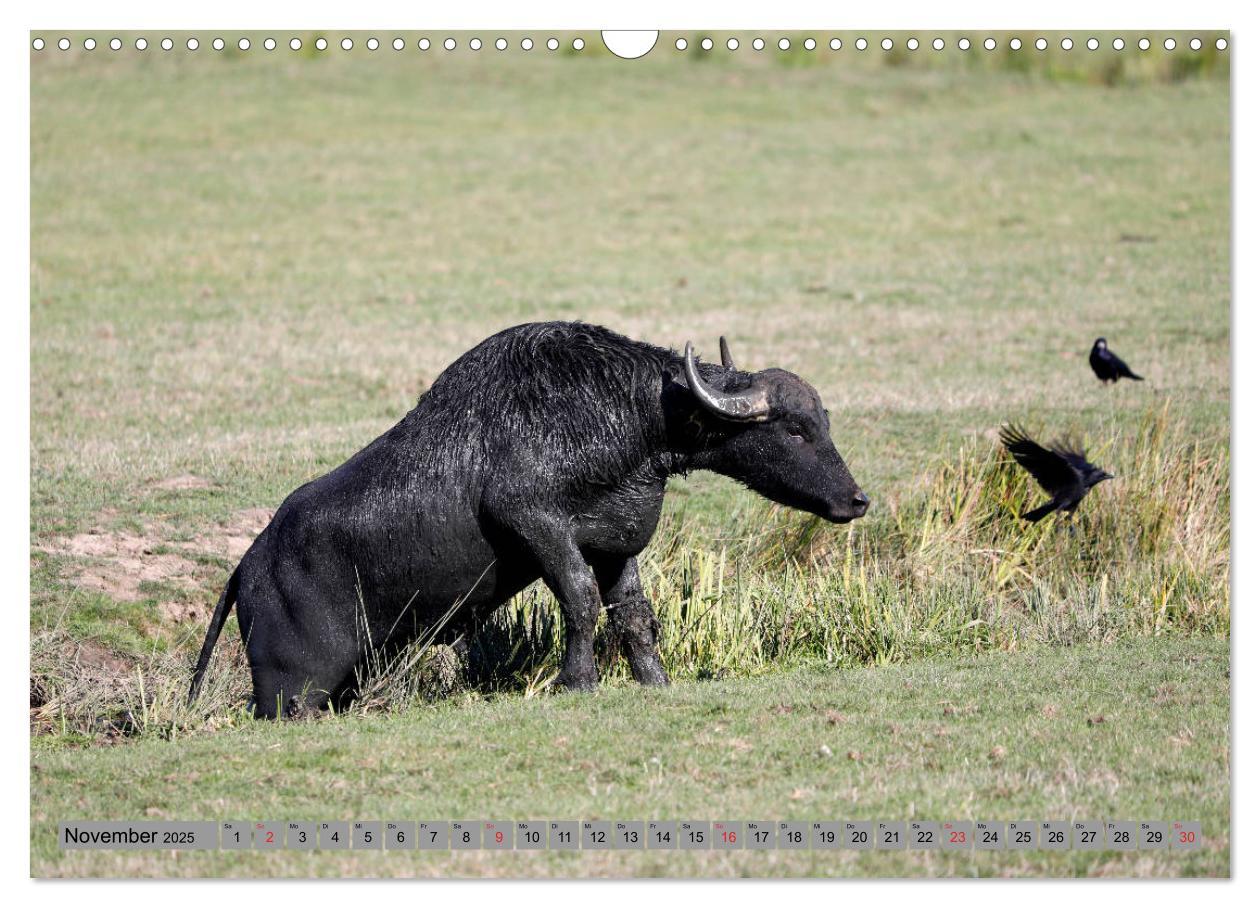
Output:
x,y
797,433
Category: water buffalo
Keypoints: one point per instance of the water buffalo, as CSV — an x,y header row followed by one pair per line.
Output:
x,y
542,452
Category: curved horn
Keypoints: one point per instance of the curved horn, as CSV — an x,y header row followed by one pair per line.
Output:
x,y
727,362
746,406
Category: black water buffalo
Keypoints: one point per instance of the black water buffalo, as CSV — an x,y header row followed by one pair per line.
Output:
x,y
542,452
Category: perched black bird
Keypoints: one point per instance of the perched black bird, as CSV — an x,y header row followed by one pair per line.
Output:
x,y
1062,471
1107,366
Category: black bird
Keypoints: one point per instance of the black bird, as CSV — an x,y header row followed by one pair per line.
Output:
x,y
1062,471
1107,366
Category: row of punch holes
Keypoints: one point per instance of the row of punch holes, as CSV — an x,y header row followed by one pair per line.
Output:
x,y
732,44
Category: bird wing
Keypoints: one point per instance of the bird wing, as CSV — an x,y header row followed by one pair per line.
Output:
x,y
1074,453
1051,469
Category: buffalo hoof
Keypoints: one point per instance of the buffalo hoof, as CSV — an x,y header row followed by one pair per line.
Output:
x,y
652,675
574,684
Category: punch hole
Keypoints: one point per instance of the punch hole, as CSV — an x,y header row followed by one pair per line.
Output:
x,y
423,44
1170,44
500,44
810,43
1092,44
115,44
1041,44
964,44
64,44
860,44
628,44
142,43
89,44
758,43
1016,44
167,44
243,44
1144,43
1195,44
399,44
449,44
886,44
784,44
938,44
527,44
295,44
553,44
706,44
680,44
578,44
989,44
38,44
1066,44
321,44
912,44
475,44
732,44
346,44
217,44
192,44
1221,44
836,44
270,43
373,44
1118,44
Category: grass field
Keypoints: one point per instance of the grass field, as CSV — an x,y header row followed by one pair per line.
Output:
x,y
246,266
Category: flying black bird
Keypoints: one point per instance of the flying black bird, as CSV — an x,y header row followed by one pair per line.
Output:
x,y
1062,471
1107,366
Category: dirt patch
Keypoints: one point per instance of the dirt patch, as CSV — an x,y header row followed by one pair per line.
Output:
x,y
118,563
122,561
183,482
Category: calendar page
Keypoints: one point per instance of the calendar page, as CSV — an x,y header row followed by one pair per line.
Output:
x,y
708,453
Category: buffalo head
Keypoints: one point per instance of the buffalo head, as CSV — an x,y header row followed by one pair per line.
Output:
x,y
773,435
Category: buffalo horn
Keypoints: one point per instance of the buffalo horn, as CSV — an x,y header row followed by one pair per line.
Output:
x,y
746,406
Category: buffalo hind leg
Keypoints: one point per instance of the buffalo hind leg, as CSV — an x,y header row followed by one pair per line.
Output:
x,y
631,619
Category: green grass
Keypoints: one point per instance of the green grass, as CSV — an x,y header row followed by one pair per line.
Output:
x,y
245,267
1138,731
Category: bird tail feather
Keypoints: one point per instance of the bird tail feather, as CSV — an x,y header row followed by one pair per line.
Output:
x,y
1037,513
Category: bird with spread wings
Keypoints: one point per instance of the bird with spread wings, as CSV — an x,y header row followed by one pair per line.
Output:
x,y
1062,470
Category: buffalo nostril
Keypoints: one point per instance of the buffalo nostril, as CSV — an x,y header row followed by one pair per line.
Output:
x,y
860,501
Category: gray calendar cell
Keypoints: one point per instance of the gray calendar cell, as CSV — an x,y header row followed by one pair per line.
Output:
x,y
400,835
1152,835
496,835
268,836
236,835
433,835
596,835
565,835
925,835
1056,835
465,835
531,835
300,836
694,835
793,835
990,835
365,835
1089,835
334,835
957,835
662,835
890,836
759,835
1122,835
1021,835
728,835
826,835
859,835
628,835
1186,835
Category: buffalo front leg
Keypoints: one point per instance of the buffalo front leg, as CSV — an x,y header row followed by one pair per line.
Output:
x,y
572,582
631,619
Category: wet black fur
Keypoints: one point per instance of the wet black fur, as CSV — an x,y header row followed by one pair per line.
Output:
x,y
543,451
